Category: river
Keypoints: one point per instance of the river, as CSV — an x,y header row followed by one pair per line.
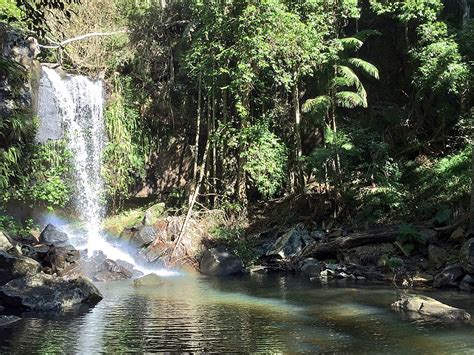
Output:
x,y
259,313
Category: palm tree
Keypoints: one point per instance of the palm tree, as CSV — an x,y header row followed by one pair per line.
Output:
x,y
344,88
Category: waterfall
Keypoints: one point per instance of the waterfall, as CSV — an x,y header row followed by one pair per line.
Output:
x,y
79,103
73,106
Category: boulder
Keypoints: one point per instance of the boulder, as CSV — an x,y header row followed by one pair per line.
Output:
x,y
428,307
129,267
311,267
43,292
458,236
148,280
467,283
6,320
72,271
6,243
467,256
430,235
52,235
220,262
449,277
151,254
143,236
15,265
109,270
291,243
437,256
58,259
153,213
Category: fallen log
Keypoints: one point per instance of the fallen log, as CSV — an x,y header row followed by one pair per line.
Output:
x,y
326,250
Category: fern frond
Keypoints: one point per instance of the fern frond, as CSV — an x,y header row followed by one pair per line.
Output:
x,y
348,74
366,67
349,99
318,104
351,43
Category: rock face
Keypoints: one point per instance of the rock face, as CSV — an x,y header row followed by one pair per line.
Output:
x,y
15,265
429,307
467,256
17,95
5,242
449,277
52,235
220,262
43,292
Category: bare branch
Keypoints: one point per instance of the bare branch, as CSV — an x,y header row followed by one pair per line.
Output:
x,y
78,38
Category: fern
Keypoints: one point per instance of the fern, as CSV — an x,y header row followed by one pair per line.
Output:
x,y
319,104
350,99
367,67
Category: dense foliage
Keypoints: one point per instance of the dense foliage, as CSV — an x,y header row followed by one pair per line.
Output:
x,y
364,105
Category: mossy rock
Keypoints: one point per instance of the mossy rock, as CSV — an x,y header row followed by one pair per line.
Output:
x,y
153,214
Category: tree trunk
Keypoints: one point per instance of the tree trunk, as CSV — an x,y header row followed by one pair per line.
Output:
x,y
471,212
297,128
240,186
198,131
192,201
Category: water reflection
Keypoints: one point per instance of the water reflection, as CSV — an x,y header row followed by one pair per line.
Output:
x,y
249,314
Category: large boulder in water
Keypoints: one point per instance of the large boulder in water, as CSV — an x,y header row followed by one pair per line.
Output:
x,y
43,292
148,280
423,306
13,265
467,256
109,270
449,277
220,262
52,235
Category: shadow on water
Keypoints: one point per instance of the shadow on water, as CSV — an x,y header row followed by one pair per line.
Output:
x,y
271,313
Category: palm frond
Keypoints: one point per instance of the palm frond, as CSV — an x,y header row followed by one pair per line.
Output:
x,y
348,75
351,43
350,99
364,34
318,104
366,67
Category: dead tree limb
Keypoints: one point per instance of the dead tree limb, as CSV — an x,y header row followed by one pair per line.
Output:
x,y
331,248
78,38
193,199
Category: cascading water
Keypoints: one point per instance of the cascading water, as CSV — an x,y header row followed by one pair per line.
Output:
x,y
79,102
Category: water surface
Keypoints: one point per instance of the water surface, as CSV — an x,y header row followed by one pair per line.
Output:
x,y
249,314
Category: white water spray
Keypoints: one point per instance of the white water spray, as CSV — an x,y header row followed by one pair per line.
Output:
x,y
80,102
